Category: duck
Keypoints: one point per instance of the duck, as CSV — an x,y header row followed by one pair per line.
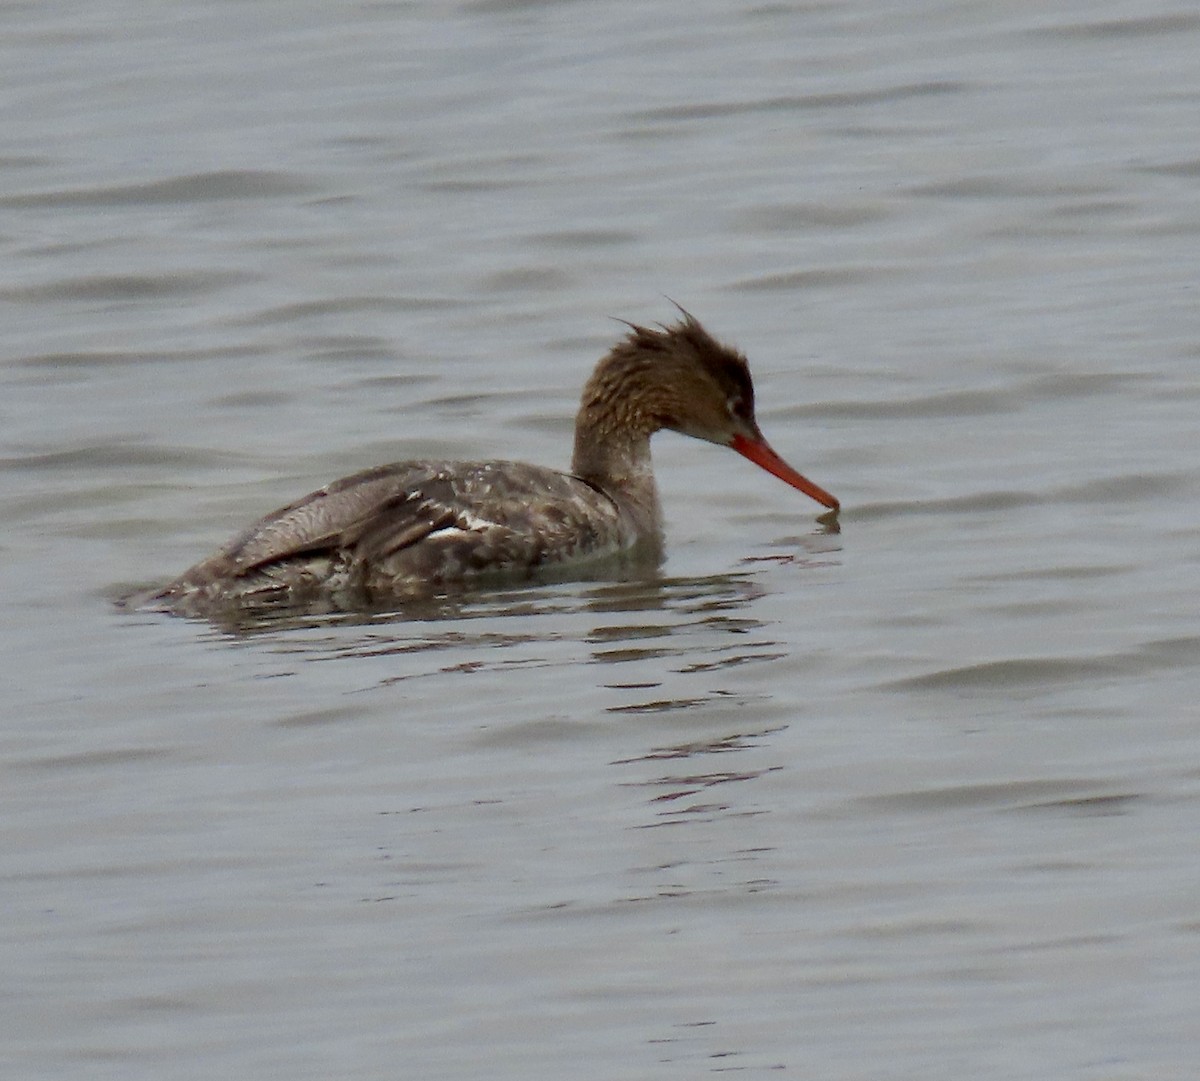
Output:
x,y
422,526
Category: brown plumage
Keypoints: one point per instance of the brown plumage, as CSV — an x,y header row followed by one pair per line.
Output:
x,y
414,527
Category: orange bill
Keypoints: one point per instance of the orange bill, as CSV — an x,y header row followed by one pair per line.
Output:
x,y
761,454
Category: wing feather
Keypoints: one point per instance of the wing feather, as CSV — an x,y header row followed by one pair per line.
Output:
x,y
371,529
385,503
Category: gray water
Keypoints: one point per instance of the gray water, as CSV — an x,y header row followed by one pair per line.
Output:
x,y
918,799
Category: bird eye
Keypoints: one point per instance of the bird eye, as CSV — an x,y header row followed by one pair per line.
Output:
x,y
738,407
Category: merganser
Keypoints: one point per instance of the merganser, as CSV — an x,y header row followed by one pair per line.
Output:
x,y
417,527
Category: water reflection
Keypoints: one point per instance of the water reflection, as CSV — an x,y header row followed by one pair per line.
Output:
x,y
622,585
709,594
660,671
676,795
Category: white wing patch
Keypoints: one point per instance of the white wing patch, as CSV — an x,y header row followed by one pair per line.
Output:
x,y
468,522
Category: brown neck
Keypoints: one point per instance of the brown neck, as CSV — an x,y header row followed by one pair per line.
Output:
x,y
612,433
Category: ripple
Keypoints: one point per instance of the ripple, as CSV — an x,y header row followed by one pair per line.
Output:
x,y
115,756
200,187
660,705
1016,673
584,238
1016,795
820,278
386,305
974,402
1088,806
87,359
673,788
975,503
1129,488
525,279
1171,652
117,287
118,455
1002,186
1135,27
1066,573
724,744
1188,168
787,103
318,718
798,217
958,403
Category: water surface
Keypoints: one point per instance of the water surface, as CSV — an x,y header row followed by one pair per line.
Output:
x,y
914,799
